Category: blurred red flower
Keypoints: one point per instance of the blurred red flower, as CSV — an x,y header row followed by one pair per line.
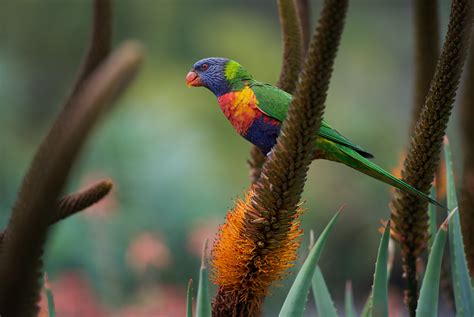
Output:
x,y
148,250
200,232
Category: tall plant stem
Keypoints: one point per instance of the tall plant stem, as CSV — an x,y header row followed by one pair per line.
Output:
x,y
409,214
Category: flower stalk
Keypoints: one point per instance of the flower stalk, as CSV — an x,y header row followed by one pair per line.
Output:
x,y
258,242
466,210
292,45
25,235
409,214
291,30
304,12
74,203
426,50
101,81
71,204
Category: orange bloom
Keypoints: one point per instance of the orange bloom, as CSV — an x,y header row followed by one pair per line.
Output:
x,y
249,253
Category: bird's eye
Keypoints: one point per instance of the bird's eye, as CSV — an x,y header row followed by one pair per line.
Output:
x,y
204,66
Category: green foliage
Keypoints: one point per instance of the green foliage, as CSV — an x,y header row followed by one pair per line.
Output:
x,y
50,299
428,301
322,297
189,299
377,303
203,304
51,309
367,307
432,218
295,301
380,286
462,285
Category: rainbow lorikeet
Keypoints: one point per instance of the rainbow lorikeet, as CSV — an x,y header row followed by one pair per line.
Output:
x,y
256,111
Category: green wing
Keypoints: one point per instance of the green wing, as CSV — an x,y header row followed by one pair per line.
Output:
x,y
274,102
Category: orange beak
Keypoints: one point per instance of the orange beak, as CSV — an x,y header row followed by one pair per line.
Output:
x,y
193,80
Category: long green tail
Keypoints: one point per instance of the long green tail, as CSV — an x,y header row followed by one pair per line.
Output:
x,y
360,163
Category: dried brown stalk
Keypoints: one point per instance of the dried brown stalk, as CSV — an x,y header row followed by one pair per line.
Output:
x,y
34,210
267,220
81,200
466,209
292,45
71,204
20,256
304,12
22,241
99,48
101,39
426,50
291,66
409,214
255,163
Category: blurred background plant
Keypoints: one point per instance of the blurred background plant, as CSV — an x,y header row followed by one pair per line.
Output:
x,y
175,161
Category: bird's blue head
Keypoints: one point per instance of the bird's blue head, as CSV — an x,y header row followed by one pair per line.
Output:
x,y
218,74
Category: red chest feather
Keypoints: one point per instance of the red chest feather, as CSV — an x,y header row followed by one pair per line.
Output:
x,y
240,107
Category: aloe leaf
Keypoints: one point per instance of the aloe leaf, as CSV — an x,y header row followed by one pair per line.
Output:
x,y
429,293
349,301
203,302
322,297
432,218
462,286
380,287
189,299
366,311
295,301
49,297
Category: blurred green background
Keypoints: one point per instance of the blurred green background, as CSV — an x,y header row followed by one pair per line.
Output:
x,y
176,162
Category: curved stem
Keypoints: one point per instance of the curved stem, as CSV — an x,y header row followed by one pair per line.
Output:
x,y
466,210
409,214
24,238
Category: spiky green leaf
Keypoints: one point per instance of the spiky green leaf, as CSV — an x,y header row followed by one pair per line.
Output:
x,y
432,218
366,311
462,286
296,299
49,297
322,297
428,301
203,302
380,286
189,299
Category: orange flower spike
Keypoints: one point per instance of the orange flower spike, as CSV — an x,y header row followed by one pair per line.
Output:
x,y
240,262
